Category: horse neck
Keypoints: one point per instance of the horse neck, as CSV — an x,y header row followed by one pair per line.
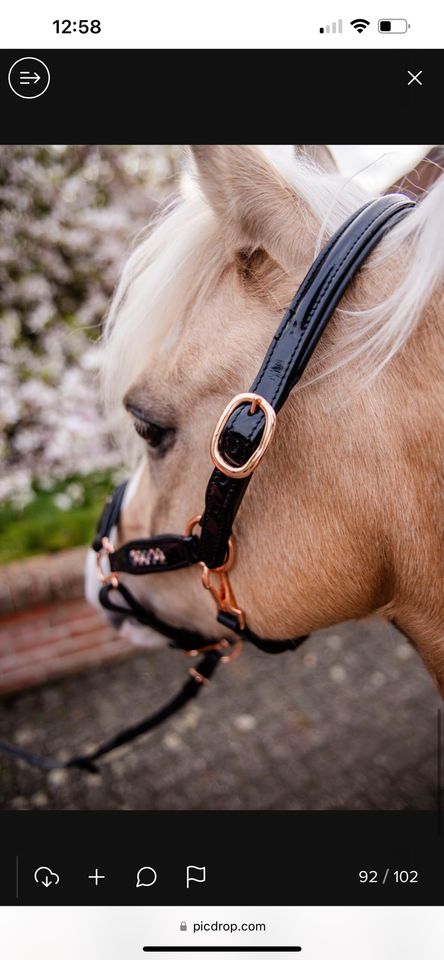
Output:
x,y
347,488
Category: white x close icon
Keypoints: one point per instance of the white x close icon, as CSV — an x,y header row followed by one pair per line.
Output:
x,y
414,77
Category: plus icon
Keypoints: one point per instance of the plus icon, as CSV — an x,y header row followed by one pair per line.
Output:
x,y
96,877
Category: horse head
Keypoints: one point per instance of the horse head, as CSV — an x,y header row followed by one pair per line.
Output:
x,y
342,518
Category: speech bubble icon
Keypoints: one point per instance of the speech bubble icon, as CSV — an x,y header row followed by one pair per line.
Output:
x,y
146,877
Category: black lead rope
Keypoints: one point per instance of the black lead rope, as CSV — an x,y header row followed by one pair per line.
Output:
x,y
285,361
87,761
185,640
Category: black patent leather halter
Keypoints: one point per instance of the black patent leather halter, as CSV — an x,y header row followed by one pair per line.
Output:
x,y
240,440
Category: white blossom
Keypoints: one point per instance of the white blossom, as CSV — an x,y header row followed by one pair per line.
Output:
x,y
62,501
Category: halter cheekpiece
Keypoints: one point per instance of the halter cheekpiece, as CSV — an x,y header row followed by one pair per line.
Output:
x,y
240,441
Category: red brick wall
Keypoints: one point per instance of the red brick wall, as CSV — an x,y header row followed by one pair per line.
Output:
x,y
47,629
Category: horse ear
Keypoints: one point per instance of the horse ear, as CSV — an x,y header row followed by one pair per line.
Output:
x,y
256,204
319,154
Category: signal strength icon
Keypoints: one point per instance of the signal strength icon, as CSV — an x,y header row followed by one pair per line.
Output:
x,y
335,27
360,24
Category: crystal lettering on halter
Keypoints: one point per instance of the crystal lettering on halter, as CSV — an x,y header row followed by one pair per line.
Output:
x,y
147,558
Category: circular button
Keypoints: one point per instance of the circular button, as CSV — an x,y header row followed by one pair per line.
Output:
x,y
29,77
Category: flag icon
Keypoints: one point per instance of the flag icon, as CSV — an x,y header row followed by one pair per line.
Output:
x,y
198,874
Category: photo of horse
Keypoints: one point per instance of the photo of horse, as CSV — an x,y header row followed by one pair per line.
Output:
x,y
276,445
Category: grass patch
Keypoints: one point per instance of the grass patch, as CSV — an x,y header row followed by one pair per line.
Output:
x,y
43,527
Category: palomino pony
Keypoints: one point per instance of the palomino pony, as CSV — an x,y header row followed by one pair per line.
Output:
x,y
345,516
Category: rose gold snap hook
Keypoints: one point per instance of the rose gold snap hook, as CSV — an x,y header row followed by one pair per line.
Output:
x,y
223,593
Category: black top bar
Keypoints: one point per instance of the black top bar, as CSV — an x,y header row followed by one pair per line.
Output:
x,y
79,108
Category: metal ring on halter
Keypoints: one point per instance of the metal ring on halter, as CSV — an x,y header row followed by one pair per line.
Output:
x,y
247,468
105,550
227,565
191,524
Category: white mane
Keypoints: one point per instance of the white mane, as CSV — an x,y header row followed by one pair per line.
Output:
x,y
181,256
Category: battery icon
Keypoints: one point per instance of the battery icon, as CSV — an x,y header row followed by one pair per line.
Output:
x,y
393,26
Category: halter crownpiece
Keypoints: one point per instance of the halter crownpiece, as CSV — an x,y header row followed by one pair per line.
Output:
x,y
239,442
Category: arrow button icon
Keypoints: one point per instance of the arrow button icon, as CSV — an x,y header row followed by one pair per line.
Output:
x,y
28,78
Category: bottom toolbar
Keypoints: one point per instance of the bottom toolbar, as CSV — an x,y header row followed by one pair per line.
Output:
x,y
128,933
138,858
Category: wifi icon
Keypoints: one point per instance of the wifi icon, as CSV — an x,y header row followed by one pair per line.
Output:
x,y
360,24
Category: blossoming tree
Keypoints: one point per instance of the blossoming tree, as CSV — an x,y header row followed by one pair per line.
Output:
x,y
67,214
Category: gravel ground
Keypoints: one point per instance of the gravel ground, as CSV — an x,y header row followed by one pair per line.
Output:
x,y
347,722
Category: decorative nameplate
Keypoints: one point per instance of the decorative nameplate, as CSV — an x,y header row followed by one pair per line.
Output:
x,y
147,558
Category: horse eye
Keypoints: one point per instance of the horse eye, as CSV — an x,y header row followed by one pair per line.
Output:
x,y
158,438
151,432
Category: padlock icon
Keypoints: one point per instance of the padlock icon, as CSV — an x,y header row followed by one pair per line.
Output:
x,y
183,925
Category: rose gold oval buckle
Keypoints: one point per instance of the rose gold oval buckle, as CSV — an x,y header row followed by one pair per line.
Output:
x,y
113,577
239,473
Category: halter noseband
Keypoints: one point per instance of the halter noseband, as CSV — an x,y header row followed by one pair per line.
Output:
x,y
240,440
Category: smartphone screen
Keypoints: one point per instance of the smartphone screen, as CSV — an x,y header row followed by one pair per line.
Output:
x,y
221,481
